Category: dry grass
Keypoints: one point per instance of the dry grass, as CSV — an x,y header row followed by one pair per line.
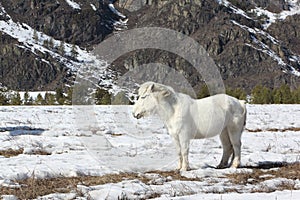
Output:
x,y
291,171
33,188
11,152
175,175
15,152
274,130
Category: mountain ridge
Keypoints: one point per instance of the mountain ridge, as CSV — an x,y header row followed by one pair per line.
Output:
x,y
246,51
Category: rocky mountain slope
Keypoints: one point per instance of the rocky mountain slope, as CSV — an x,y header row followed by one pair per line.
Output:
x,y
247,43
251,42
43,42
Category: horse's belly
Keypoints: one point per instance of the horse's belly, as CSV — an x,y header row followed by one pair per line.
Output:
x,y
207,129
204,134
209,120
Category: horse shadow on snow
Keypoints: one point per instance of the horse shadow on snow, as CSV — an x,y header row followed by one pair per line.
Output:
x,y
259,165
22,130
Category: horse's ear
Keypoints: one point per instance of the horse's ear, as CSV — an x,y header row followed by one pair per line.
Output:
x,y
166,93
151,87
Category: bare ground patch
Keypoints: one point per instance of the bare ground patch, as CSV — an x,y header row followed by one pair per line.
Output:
x,y
11,152
295,129
32,188
258,176
15,152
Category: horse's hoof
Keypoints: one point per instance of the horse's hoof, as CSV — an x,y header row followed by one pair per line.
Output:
x,y
185,169
234,166
221,167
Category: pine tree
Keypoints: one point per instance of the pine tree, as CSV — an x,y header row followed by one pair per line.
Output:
x,y
102,97
61,48
39,100
204,92
69,96
296,95
49,99
267,96
238,93
26,98
74,52
3,99
59,95
261,95
51,43
30,101
46,43
16,99
283,95
256,94
35,36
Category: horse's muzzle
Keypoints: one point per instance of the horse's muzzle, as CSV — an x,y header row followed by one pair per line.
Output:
x,y
138,116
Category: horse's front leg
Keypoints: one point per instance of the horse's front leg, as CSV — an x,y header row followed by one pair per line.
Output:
x,y
178,151
185,146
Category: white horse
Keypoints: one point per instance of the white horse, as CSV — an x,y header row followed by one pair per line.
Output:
x,y
187,118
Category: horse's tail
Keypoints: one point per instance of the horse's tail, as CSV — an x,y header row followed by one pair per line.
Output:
x,y
244,114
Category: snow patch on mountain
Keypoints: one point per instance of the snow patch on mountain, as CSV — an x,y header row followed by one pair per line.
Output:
x,y
73,4
115,11
234,9
261,46
34,40
83,63
93,7
294,9
273,17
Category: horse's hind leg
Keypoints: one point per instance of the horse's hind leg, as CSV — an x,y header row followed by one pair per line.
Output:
x,y
235,139
227,149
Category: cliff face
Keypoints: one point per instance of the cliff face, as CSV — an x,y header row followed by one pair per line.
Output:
x,y
247,50
246,42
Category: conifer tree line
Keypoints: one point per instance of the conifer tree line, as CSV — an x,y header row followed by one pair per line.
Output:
x,y
48,98
262,94
59,97
259,95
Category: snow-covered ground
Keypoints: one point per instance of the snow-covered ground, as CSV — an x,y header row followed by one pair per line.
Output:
x,y
99,140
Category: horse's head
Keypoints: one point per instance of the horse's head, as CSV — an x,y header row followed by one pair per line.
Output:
x,y
150,94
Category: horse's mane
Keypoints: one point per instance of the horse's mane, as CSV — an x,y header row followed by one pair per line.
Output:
x,y
157,87
161,87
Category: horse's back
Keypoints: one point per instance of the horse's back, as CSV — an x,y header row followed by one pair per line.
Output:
x,y
225,102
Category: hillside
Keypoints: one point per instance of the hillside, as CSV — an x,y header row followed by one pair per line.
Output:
x,y
44,43
248,49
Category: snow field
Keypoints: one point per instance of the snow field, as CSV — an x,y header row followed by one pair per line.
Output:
x,y
101,140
